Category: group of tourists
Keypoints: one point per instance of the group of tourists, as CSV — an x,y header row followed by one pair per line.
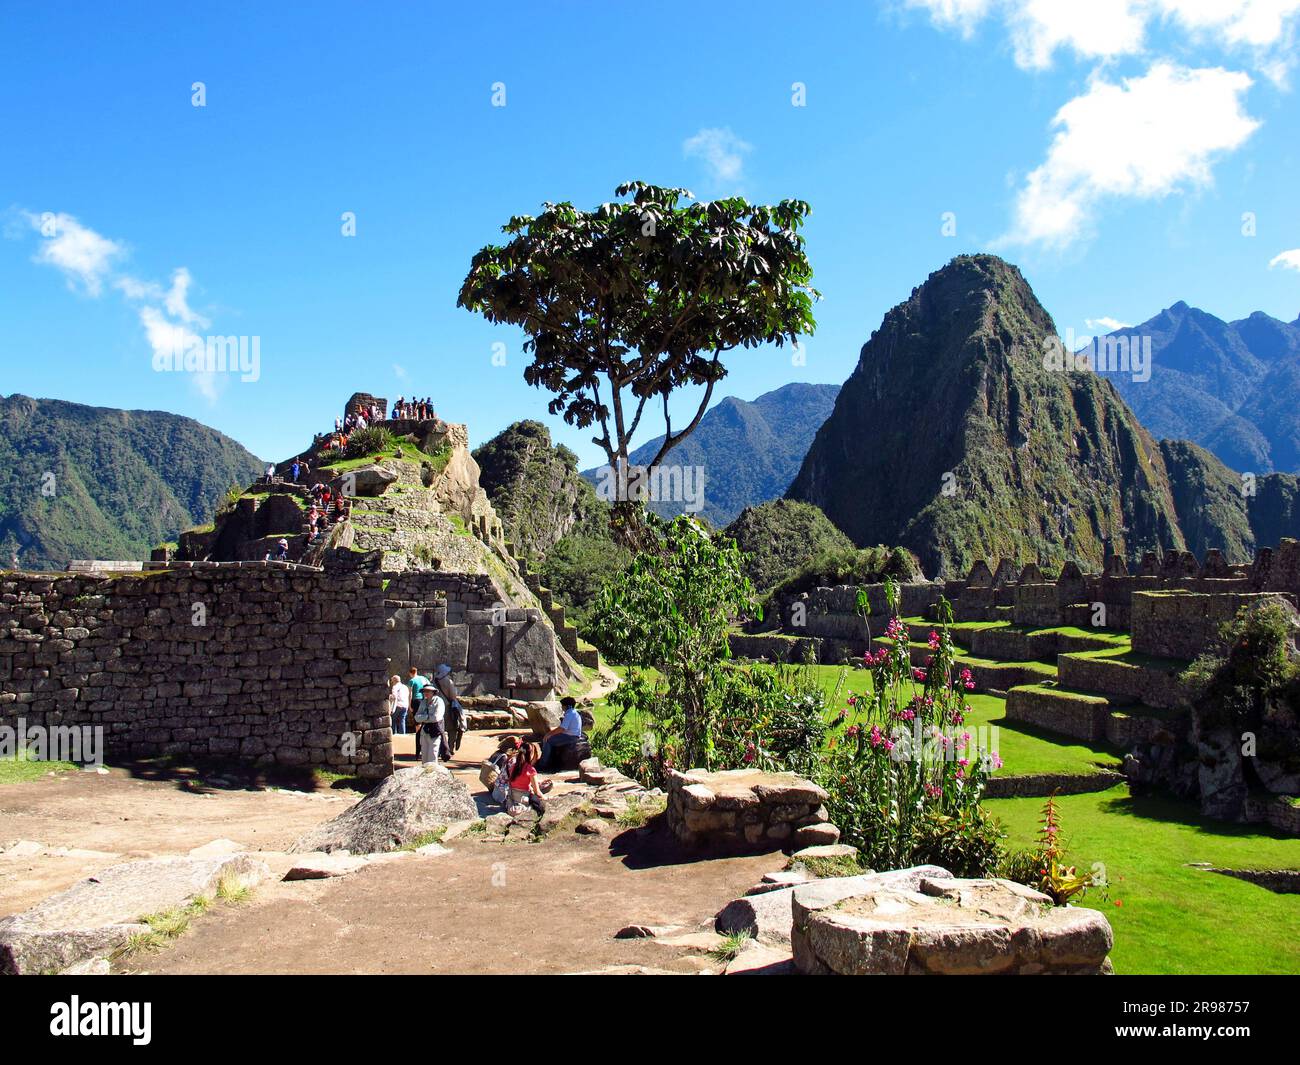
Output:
x,y
326,506
298,471
416,410
433,707
511,774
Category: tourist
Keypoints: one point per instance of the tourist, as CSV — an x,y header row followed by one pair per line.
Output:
x,y
502,764
524,789
566,734
430,730
281,554
399,702
417,682
457,718
270,470
295,469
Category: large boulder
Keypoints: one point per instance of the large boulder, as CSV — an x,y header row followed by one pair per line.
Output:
x,y
364,481
94,917
945,926
407,805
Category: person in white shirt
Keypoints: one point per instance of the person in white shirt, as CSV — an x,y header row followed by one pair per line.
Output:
x,y
399,702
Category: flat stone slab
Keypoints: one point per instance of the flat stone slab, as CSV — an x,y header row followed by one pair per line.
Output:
x,y
759,959
945,926
95,916
784,878
826,850
769,916
322,866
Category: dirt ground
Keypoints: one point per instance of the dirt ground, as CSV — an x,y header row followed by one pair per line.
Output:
x,y
481,908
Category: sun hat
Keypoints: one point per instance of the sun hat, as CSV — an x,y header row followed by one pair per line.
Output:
x,y
442,670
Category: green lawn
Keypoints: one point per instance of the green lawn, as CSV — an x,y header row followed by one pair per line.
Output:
x,y
1023,751
17,770
1167,917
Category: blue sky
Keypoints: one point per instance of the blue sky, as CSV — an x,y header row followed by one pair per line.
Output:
x,y
1110,148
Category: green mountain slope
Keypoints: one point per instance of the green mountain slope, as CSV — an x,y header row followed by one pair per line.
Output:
x,y
952,439
93,482
748,451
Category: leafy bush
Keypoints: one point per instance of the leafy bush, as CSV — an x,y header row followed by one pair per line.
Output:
x,y
1252,679
671,610
370,441
770,717
904,777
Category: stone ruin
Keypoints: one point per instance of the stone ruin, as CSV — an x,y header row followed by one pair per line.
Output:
x,y
826,625
740,810
944,926
210,652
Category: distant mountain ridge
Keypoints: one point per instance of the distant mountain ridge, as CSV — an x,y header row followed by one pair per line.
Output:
x,y
952,438
749,451
94,482
1231,387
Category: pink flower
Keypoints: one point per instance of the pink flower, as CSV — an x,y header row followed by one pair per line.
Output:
x,y
918,675
934,640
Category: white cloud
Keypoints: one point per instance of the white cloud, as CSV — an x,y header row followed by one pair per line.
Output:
x,y
721,151
399,371
1145,137
1288,260
1105,29
959,14
80,253
1106,324
1098,29
165,314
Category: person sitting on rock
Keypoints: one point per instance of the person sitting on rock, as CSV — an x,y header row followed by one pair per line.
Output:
x,y
503,763
524,789
567,733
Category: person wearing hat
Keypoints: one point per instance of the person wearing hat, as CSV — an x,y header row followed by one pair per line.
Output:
x,y
568,732
281,554
455,719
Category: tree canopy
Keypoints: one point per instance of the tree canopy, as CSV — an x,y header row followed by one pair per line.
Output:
x,y
625,304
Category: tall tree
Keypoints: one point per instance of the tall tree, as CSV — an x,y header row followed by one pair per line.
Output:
x,y
626,304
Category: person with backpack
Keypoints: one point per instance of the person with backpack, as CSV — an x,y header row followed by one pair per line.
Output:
x,y
457,719
430,733
494,773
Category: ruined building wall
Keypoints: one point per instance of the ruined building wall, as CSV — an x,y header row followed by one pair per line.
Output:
x,y
251,662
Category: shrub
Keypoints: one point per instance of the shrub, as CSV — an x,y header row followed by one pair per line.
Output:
x,y
671,610
903,775
370,441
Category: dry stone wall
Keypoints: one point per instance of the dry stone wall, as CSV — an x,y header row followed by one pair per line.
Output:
x,y
275,666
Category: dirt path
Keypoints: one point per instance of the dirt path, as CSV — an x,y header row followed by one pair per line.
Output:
x,y
136,813
549,907
510,907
